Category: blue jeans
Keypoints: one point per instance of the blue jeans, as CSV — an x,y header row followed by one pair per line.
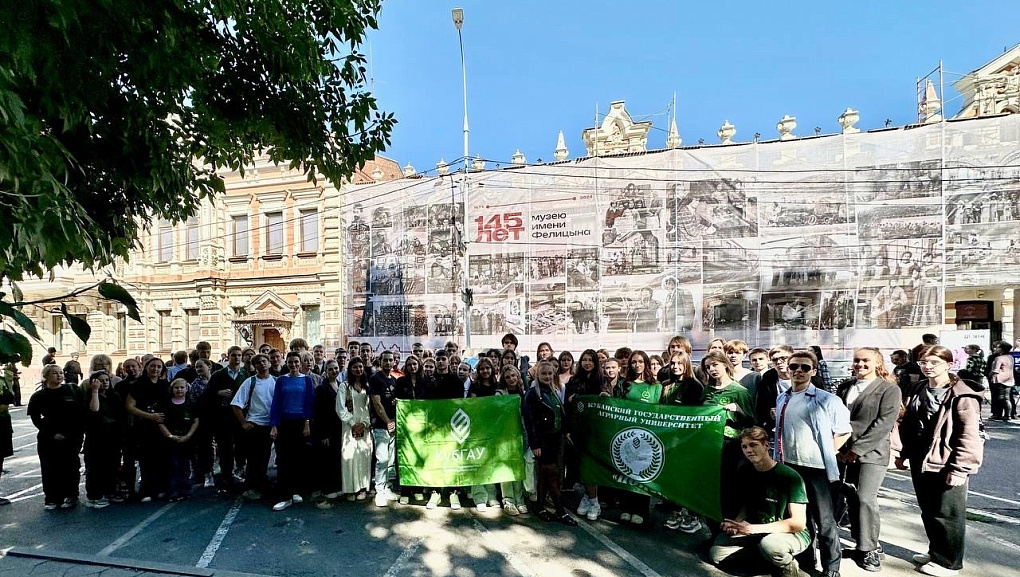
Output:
x,y
385,458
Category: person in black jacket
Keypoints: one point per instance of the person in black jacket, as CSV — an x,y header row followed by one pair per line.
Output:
x,y
104,431
58,412
587,380
544,422
218,418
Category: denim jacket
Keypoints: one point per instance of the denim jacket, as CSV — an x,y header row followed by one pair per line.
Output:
x,y
829,417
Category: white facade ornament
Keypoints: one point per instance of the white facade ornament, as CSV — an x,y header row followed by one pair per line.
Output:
x,y
786,126
561,151
930,108
993,88
377,174
726,132
617,134
673,138
518,158
478,164
442,168
848,119
409,170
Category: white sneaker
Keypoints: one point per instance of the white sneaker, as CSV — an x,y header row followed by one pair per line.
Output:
x,y
404,500
637,519
481,507
522,509
689,524
583,506
594,511
921,558
283,505
391,496
419,497
624,517
454,501
494,503
937,570
434,499
209,481
510,508
297,498
380,500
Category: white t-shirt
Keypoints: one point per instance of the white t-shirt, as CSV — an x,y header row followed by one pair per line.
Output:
x,y
783,385
261,400
799,446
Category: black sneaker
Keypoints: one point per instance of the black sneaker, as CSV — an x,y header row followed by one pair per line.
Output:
x,y
870,561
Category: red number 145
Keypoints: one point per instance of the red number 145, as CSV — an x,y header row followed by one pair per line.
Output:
x,y
499,227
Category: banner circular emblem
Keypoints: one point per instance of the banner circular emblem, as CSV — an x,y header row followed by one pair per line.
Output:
x,y
638,454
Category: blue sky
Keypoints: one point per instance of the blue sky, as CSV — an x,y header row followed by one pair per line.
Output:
x,y
535,68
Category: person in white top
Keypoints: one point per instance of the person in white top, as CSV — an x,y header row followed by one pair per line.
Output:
x,y
352,402
252,405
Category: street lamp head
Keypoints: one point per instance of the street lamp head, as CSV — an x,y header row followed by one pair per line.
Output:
x,y
458,17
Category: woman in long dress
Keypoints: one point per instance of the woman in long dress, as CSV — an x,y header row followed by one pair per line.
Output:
x,y
352,406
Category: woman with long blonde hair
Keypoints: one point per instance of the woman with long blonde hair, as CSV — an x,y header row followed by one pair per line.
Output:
x,y
874,402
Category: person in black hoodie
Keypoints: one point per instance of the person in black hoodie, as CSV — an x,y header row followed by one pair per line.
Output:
x,y
410,386
58,412
484,385
129,449
444,384
587,380
544,421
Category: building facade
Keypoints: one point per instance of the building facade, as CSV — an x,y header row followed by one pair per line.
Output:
x,y
258,264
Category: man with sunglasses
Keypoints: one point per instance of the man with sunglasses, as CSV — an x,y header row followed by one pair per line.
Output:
x,y
773,382
811,426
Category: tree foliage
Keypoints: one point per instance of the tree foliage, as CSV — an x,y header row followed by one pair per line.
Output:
x,y
116,113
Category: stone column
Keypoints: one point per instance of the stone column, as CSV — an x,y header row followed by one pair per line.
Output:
x,y
1010,315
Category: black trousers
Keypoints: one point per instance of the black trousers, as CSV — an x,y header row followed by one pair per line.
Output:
x,y
258,447
865,520
59,464
293,454
1000,400
102,457
224,431
943,513
821,515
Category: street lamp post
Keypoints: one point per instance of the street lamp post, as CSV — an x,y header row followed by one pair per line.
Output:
x,y
458,22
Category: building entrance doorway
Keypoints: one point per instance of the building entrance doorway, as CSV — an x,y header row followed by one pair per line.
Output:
x,y
272,338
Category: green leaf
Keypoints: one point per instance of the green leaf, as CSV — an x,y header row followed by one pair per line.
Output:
x,y
21,318
15,347
80,327
115,292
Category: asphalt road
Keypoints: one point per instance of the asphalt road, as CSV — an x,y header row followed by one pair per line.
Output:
x,y
210,535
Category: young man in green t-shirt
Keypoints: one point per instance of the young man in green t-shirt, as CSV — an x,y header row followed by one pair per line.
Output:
x,y
772,523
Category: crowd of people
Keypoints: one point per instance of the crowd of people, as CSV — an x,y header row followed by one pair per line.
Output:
x,y
794,440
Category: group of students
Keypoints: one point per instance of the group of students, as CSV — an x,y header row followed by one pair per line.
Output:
x,y
790,445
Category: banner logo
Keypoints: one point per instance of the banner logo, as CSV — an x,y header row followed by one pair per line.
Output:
x,y
638,454
460,426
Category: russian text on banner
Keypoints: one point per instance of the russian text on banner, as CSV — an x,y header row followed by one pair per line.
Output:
x,y
460,442
668,451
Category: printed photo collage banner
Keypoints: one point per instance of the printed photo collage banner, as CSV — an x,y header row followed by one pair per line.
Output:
x,y
833,240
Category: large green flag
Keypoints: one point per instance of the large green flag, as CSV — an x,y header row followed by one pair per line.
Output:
x,y
460,442
668,451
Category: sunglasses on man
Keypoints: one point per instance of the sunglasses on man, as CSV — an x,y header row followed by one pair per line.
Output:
x,y
800,367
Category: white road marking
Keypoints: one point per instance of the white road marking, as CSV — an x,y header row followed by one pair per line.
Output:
x,y
22,492
612,546
405,556
509,555
911,499
221,533
123,539
906,479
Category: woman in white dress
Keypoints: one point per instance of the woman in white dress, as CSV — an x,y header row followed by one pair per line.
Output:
x,y
352,405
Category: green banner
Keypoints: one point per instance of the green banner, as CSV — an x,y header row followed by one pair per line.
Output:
x,y
460,442
668,451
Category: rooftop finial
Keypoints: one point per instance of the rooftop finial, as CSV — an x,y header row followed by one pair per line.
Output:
x,y
518,158
726,132
561,151
673,138
785,127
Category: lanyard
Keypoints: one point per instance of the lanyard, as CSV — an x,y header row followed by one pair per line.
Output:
x,y
779,430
